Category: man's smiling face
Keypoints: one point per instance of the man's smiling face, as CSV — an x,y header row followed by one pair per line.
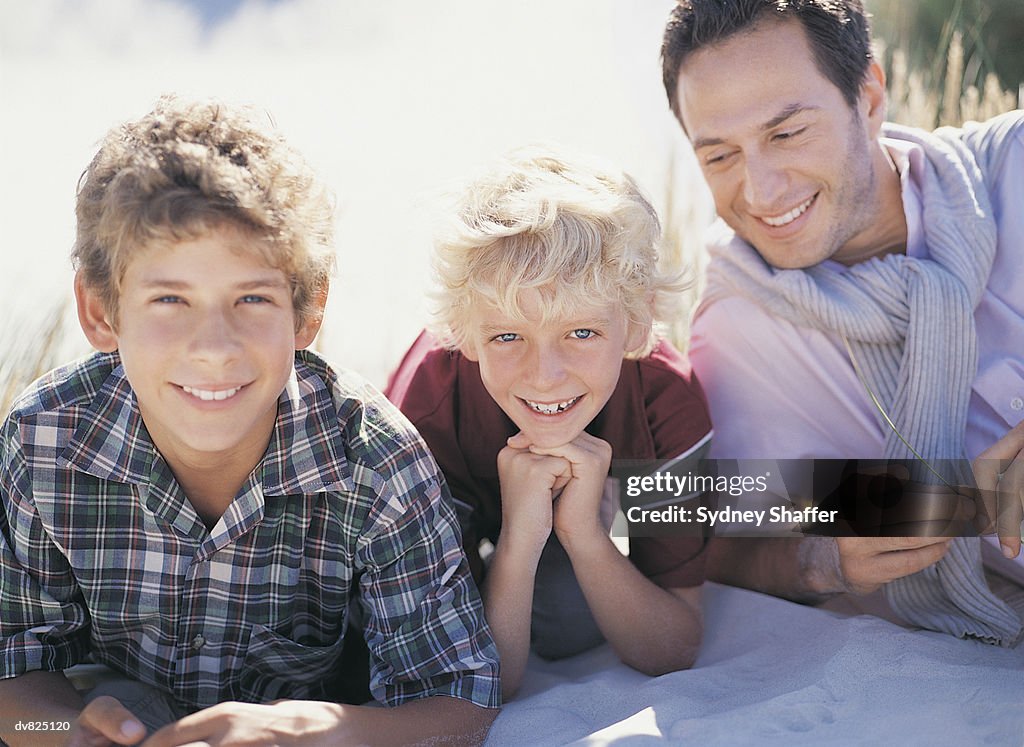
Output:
x,y
791,165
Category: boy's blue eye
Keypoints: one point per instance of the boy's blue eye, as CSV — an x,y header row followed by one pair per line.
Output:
x,y
168,299
583,334
506,337
254,299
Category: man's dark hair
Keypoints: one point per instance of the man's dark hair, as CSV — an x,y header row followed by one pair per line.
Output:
x,y
837,30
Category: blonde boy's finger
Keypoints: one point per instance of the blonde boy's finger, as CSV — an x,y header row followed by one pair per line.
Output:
x,y
588,441
569,452
580,446
519,441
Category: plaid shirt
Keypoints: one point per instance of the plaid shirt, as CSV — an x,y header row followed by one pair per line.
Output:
x,y
101,552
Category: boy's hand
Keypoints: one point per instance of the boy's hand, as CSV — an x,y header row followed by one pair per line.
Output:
x,y
104,722
283,722
577,512
529,483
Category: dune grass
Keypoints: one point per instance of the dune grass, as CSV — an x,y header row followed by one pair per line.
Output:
x,y
923,95
946,72
913,101
31,348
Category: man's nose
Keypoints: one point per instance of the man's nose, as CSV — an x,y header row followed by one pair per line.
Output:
x,y
764,183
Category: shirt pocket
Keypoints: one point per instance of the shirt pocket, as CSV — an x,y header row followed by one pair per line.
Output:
x,y
1001,386
278,667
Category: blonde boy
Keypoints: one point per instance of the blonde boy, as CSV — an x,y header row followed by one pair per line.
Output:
x,y
549,292
203,506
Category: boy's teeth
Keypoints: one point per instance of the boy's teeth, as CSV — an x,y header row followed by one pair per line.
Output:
x,y
789,217
206,395
554,408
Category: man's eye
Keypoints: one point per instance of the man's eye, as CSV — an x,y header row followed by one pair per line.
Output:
x,y
506,337
716,159
583,334
789,133
254,299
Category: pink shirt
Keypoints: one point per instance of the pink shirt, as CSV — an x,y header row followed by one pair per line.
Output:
x,y
780,391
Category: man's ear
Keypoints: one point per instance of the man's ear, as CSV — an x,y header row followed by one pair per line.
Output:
x,y
872,101
93,317
308,330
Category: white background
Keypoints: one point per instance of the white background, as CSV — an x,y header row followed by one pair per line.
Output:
x,y
393,102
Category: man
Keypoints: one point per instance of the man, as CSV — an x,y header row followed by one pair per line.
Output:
x,y
849,241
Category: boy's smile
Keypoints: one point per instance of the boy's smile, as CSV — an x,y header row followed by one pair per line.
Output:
x,y
551,377
207,394
554,408
206,332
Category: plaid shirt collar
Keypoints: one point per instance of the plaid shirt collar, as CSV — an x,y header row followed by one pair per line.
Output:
x,y
306,452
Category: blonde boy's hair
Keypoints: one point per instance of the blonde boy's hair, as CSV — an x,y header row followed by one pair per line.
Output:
x,y
576,230
189,167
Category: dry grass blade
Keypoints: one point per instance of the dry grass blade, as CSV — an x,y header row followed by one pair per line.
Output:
x,y
945,88
30,351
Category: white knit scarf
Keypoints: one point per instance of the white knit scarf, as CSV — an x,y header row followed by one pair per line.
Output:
x,y
910,323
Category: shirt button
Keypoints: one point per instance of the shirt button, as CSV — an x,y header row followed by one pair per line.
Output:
x,y
1017,403
198,642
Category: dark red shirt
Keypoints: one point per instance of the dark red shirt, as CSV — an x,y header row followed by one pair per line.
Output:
x,y
656,412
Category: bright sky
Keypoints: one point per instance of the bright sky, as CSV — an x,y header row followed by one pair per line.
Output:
x,y
393,101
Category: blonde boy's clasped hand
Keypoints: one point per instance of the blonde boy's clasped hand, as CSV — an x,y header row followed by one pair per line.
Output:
x,y
529,484
577,510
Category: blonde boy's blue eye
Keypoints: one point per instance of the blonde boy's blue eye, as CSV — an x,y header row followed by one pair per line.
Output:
x,y
506,337
167,299
583,334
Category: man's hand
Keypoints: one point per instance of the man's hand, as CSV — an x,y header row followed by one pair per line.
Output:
x,y
866,563
999,472
284,722
105,722
529,483
578,509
